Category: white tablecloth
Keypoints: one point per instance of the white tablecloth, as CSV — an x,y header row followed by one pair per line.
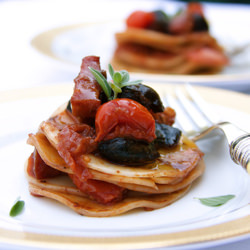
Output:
x,y
21,66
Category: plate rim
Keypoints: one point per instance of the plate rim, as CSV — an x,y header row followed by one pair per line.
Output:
x,y
205,234
42,42
234,228
211,94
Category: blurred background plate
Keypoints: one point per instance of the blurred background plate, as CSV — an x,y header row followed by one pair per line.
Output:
x,y
228,24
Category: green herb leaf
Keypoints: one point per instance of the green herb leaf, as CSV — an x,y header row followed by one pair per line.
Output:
x,y
117,77
125,76
216,201
116,90
17,208
130,83
111,70
102,81
120,80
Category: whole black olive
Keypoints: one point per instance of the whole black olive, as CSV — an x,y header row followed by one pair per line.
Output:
x,y
199,23
167,136
161,22
128,151
143,94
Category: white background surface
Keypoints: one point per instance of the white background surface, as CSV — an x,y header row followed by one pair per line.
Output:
x,y
21,66
21,20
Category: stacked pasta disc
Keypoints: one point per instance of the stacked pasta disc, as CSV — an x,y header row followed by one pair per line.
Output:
x,y
148,51
150,186
160,42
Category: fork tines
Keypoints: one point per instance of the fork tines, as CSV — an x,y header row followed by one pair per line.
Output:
x,y
192,114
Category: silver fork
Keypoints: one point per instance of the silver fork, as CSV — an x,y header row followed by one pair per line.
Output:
x,y
197,120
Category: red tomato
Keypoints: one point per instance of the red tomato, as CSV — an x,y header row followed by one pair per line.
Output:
x,y
101,191
140,19
124,118
184,22
181,24
195,8
207,57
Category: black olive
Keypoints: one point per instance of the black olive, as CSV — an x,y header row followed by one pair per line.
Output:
x,y
143,94
161,22
199,23
103,97
167,136
69,106
128,151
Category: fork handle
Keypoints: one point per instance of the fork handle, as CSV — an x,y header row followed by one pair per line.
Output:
x,y
239,144
240,151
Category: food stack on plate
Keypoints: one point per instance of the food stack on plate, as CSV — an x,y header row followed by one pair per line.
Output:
x,y
155,42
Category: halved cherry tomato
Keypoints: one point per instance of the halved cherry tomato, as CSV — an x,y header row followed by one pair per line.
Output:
x,y
124,117
140,19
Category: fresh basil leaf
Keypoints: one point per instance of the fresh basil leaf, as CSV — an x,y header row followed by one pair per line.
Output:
x,y
216,201
17,208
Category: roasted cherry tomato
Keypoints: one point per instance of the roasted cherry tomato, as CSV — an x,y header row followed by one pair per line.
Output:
x,y
140,19
207,56
181,24
195,8
124,117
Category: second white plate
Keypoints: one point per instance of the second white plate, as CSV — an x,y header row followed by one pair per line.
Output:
x,y
72,43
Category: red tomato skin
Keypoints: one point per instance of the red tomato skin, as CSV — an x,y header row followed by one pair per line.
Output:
x,y
124,117
101,191
195,8
140,19
181,24
207,57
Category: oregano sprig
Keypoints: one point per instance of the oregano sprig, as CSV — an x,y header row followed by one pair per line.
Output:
x,y
17,208
112,88
102,81
216,201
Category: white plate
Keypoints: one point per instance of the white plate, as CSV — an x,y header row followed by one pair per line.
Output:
x,y
44,222
72,43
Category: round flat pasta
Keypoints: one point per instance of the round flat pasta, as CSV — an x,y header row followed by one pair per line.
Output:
x,y
67,163
86,206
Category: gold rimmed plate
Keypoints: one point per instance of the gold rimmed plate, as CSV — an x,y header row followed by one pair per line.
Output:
x,y
46,224
71,43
